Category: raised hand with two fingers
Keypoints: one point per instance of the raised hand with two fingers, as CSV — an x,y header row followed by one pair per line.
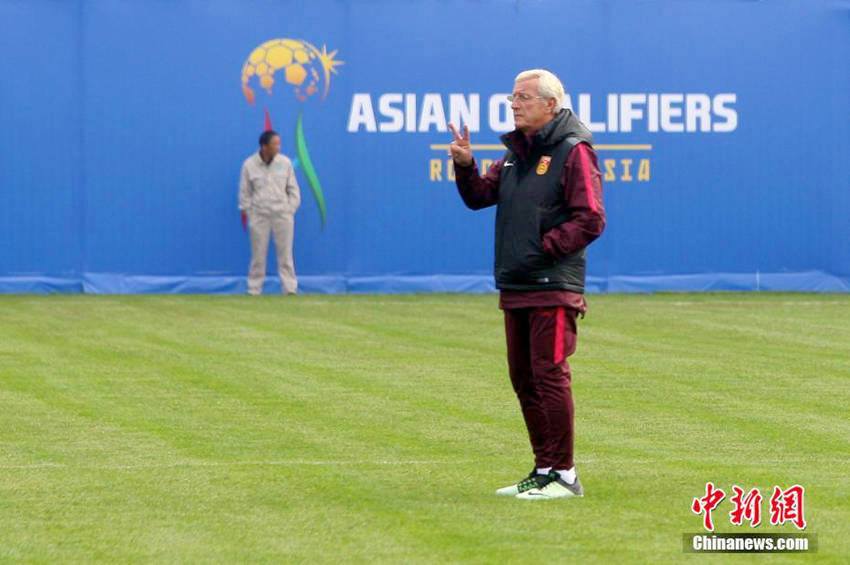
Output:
x,y
460,149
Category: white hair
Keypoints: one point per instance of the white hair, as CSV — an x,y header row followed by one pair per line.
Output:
x,y
548,85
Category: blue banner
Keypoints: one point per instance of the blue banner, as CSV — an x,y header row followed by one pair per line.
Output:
x,y
721,130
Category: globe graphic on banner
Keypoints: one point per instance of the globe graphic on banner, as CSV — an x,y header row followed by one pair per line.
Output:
x,y
292,62
300,66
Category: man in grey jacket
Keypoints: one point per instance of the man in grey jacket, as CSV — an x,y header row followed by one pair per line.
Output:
x,y
268,199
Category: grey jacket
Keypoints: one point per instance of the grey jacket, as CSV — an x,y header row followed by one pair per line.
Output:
x,y
270,188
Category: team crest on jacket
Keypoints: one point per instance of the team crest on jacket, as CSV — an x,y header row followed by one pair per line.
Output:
x,y
543,165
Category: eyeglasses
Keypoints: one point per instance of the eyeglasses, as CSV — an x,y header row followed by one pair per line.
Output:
x,y
522,97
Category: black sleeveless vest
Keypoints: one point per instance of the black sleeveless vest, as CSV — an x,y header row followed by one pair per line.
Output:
x,y
531,202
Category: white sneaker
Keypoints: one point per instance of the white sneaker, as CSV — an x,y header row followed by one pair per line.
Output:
x,y
533,480
556,487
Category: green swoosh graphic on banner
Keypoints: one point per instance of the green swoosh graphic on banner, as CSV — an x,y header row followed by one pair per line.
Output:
x,y
309,170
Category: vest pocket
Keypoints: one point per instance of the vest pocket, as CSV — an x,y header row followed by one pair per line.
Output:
x,y
535,258
551,217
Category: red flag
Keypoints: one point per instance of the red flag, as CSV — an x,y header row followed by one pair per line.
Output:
x,y
268,120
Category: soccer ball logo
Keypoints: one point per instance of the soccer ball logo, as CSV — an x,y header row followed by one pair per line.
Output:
x,y
307,70
293,61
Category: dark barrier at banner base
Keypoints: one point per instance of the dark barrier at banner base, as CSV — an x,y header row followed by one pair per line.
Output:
x,y
109,283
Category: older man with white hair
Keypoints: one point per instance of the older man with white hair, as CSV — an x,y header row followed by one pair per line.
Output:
x,y
548,193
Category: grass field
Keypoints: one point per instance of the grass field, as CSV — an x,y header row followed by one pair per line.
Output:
x,y
376,428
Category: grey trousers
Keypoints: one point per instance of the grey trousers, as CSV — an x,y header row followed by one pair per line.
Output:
x,y
282,225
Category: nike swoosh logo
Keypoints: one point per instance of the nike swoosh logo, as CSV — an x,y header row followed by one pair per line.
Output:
x,y
509,164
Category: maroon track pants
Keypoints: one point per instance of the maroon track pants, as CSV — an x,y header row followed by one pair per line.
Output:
x,y
539,342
